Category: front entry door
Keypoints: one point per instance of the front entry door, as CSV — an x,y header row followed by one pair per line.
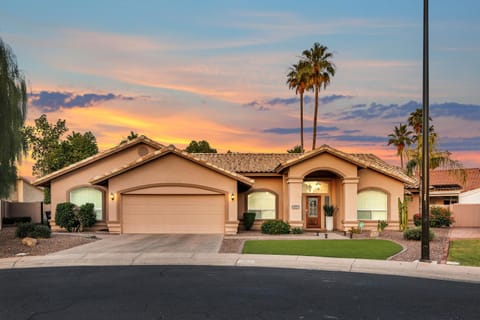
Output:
x,y
313,216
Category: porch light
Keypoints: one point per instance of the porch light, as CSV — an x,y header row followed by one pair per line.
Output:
x,y
232,196
112,196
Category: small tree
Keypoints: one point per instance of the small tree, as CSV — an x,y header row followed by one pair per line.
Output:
x,y
200,147
296,149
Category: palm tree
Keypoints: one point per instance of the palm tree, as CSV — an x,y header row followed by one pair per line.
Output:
x,y
13,110
321,70
297,79
400,138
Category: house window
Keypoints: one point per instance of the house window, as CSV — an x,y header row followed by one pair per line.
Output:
x,y
315,187
372,205
263,203
89,195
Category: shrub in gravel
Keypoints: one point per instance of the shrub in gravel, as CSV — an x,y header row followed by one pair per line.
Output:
x,y
24,229
440,217
40,231
416,234
275,227
417,220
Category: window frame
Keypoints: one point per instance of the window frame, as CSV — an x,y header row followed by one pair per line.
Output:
x,y
373,211
253,210
103,193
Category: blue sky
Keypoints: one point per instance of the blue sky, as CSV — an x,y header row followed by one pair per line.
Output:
x,y
216,70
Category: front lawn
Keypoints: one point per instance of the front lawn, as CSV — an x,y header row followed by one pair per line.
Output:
x,y
467,252
362,249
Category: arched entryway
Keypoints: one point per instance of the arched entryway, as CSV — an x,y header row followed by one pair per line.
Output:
x,y
319,187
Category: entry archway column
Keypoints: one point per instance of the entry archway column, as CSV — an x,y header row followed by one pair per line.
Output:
x,y
350,191
295,216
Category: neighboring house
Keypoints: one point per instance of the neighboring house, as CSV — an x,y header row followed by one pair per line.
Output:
x,y
25,200
447,188
25,191
144,187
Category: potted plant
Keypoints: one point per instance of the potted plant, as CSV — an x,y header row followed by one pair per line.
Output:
x,y
329,209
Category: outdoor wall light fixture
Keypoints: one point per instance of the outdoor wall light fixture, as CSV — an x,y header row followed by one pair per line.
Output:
x,y
112,196
232,197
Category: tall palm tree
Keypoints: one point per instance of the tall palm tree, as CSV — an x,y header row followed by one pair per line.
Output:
x,y
321,71
297,78
13,110
400,138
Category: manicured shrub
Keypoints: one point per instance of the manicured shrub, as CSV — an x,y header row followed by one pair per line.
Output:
x,y
275,227
86,215
65,216
40,231
417,220
16,220
24,229
297,230
416,234
32,230
440,217
248,219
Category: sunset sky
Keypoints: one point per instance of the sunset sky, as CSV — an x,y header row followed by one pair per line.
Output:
x,y
216,70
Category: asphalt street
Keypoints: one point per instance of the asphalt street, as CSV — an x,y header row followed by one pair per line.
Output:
x,y
205,292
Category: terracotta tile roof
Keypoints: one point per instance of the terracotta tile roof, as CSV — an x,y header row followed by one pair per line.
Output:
x,y
169,150
43,181
247,162
439,178
275,162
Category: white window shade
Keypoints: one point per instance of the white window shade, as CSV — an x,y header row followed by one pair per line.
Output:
x,y
88,195
263,203
372,205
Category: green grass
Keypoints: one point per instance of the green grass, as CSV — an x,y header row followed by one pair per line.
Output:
x,y
363,248
467,252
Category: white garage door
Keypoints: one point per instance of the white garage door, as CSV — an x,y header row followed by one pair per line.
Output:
x,y
173,213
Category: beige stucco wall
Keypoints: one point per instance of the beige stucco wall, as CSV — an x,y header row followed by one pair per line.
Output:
x,y
29,193
61,187
273,184
370,179
172,171
344,192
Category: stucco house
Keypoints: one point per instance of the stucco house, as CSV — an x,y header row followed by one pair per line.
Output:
x,y
145,187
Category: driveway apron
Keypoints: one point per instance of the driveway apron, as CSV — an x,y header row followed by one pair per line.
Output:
x,y
147,243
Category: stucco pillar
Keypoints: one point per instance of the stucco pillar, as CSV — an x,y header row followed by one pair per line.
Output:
x,y
295,216
350,190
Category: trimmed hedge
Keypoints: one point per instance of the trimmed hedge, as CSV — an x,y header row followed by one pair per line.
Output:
x,y
86,215
297,230
32,230
275,227
16,220
248,219
65,217
416,234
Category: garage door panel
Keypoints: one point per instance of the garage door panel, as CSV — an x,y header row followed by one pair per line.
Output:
x,y
173,213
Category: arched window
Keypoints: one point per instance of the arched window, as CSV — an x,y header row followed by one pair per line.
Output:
x,y
264,204
372,205
89,195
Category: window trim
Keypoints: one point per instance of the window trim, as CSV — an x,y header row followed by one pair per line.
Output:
x,y
263,190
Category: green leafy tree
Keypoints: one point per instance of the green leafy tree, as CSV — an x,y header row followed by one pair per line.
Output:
x,y
296,149
320,69
13,110
200,147
50,152
133,135
297,78
400,138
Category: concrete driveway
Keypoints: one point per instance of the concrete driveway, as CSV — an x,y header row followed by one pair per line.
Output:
x,y
151,243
